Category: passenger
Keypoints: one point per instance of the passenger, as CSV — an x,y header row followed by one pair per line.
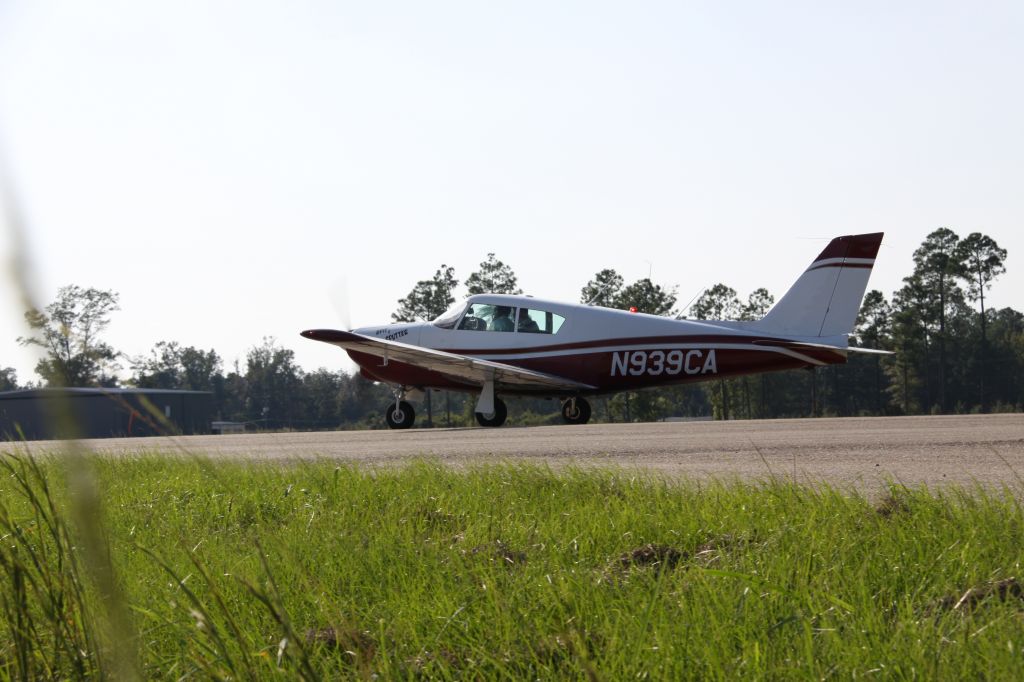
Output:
x,y
527,323
501,321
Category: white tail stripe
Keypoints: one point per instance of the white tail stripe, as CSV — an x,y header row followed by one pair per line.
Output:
x,y
841,261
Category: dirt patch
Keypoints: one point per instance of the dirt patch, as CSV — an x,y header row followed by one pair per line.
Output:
x,y
666,557
650,556
1007,590
500,551
437,518
443,657
358,644
891,505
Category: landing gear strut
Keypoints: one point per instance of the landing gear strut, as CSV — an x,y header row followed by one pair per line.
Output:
x,y
400,415
576,411
496,418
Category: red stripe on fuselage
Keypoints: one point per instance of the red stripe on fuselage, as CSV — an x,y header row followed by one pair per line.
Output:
x,y
699,339
595,368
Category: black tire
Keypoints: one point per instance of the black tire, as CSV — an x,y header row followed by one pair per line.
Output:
x,y
579,415
401,416
497,418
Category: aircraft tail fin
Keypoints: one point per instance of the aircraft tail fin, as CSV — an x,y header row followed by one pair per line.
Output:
x,y
826,298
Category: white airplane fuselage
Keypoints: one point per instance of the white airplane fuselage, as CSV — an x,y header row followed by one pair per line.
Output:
x,y
610,350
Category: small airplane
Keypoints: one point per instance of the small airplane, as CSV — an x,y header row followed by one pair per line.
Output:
x,y
493,344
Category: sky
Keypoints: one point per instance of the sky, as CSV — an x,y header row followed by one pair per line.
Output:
x,y
236,170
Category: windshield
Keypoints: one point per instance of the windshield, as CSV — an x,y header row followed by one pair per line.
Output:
x,y
448,318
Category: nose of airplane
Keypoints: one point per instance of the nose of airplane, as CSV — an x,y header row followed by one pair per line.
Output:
x,y
326,335
403,333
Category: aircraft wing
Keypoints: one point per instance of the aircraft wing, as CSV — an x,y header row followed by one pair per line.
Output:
x,y
463,367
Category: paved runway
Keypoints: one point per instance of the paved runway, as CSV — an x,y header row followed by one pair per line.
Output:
x,y
859,452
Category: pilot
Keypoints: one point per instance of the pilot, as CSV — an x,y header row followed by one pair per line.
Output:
x,y
501,321
470,322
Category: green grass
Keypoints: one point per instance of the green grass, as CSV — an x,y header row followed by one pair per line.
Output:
x,y
174,567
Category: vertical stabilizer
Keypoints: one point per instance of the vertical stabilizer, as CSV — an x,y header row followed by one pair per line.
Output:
x,y
826,298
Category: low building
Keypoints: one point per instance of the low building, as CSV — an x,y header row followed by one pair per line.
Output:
x,y
53,413
221,427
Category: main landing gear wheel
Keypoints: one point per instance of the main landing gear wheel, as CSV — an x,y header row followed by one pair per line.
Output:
x,y
576,411
496,418
400,415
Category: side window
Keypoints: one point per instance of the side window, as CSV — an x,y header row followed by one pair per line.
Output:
x,y
482,317
539,321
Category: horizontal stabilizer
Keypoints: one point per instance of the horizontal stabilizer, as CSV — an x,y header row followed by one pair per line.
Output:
x,y
870,351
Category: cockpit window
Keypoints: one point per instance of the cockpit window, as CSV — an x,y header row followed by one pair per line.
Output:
x,y
487,317
448,318
491,318
533,321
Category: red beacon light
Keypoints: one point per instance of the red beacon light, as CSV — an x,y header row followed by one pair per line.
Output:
x,y
632,308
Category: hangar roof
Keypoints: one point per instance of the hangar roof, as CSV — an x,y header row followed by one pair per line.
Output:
x,y
53,392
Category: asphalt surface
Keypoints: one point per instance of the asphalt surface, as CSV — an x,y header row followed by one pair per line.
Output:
x,y
862,453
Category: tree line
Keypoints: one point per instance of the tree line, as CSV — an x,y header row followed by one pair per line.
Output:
x,y
951,353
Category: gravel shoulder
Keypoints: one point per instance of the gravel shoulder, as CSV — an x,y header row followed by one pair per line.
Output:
x,y
863,453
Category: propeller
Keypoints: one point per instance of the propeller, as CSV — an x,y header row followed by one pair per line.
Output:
x,y
339,295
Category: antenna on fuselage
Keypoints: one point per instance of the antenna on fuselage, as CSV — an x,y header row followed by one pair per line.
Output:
x,y
699,293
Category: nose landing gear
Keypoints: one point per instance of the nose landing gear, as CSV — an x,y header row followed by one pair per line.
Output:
x,y
576,411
